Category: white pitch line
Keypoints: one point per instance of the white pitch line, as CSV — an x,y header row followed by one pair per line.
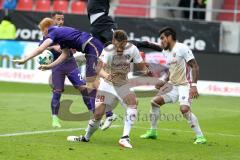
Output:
x,y
113,126
46,131
39,132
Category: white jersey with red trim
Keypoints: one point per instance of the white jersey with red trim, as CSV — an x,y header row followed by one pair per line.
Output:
x,y
176,59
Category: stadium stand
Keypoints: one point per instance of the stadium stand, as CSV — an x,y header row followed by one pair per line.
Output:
x,y
25,5
1,4
229,5
60,5
43,5
132,8
78,7
141,10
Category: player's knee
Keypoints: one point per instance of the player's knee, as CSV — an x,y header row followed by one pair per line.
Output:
x,y
153,103
157,101
57,94
99,111
130,100
184,109
81,88
57,91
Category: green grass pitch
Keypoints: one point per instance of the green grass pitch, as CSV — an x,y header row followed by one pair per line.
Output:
x,y
25,109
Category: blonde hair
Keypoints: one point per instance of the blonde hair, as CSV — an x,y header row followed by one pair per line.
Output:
x,y
45,23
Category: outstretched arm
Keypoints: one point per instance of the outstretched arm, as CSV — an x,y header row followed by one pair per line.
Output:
x,y
60,59
35,52
146,44
195,74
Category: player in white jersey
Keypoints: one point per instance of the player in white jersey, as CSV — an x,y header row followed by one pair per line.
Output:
x,y
114,66
180,84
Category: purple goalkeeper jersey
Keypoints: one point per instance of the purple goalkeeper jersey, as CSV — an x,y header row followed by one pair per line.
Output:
x,y
68,37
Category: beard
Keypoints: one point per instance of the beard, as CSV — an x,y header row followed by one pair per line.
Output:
x,y
167,47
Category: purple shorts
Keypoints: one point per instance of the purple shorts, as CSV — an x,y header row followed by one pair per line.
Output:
x,y
70,69
92,51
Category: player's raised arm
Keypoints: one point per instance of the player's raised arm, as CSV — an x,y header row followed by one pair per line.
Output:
x,y
35,52
43,25
146,44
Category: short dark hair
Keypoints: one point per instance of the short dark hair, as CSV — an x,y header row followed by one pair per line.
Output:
x,y
56,12
120,35
167,31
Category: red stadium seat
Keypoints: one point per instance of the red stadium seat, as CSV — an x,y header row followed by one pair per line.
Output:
x,y
139,2
229,5
1,4
232,2
78,7
60,5
137,11
129,11
43,5
25,5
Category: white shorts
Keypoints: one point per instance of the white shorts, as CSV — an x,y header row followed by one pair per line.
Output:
x,y
172,93
108,94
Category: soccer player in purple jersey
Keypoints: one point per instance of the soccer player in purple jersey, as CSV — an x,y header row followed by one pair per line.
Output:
x,y
68,68
68,38
89,101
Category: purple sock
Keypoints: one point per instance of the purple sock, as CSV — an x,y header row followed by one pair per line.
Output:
x,y
55,103
92,97
89,99
109,113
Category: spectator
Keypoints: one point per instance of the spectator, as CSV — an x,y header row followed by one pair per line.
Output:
x,y
199,4
185,4
9,4
7,29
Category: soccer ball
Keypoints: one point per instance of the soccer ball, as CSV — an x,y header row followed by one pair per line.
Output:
x,y
46,57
